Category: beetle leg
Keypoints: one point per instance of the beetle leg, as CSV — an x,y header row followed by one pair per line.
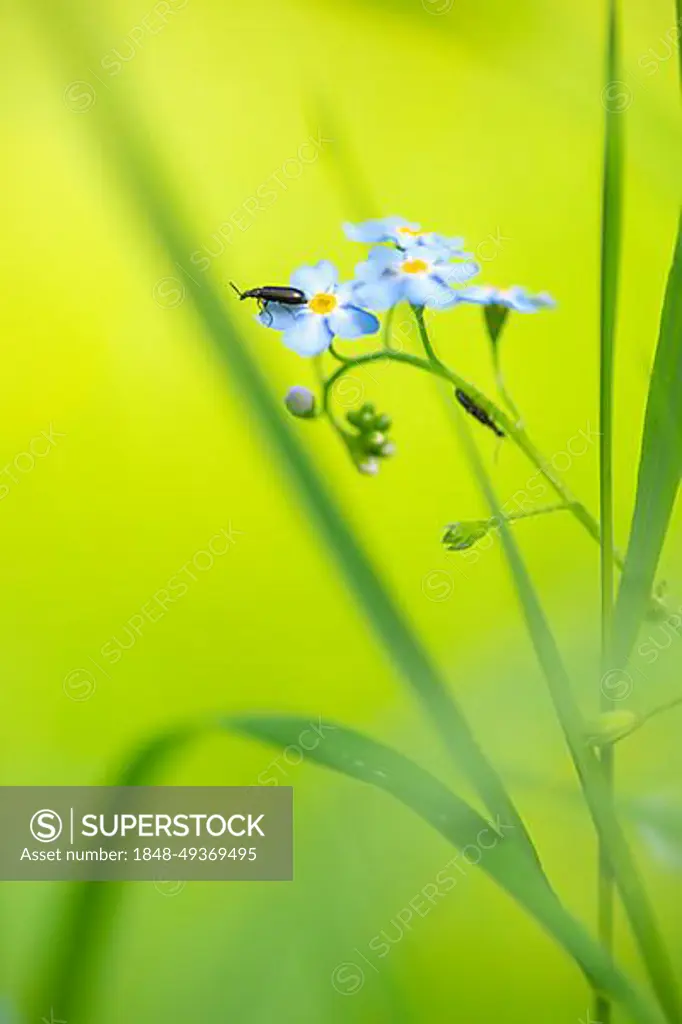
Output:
x,y
262,308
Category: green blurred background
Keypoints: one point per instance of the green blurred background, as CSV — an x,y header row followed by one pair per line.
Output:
x,y
478,119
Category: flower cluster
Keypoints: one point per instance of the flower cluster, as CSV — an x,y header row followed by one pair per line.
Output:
x,y
405,263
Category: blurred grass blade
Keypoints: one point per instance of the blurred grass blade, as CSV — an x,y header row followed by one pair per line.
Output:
x,y
131,153
68,979
354,755
660,470
90,906
339,157
594,784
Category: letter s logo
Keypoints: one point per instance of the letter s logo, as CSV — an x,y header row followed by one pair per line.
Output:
x,y
46,826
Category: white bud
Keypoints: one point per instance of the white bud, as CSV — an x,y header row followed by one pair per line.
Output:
x,y
370,466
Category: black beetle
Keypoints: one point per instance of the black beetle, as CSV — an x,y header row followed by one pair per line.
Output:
x,y
474,409
273,293
282,294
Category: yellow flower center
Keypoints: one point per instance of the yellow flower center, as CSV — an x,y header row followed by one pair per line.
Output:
x,y
414,266
323,303
410,231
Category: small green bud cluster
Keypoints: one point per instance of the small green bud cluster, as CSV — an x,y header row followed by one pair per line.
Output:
x,y
370,443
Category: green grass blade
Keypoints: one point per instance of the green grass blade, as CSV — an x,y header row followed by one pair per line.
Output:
x,y
594,785
340,158
85,929
129,148
611,232
660,470
68,978
354,755
678,22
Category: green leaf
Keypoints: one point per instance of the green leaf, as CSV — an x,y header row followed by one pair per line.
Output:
x,y
352,754
589,770
660,470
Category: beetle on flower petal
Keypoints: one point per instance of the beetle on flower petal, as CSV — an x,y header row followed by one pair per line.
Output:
x,y
330,309
418,275
402,233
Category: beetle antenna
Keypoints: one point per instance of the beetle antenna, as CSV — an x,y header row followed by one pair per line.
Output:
x,y
236,289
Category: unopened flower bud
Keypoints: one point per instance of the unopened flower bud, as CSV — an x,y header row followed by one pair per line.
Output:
x,y
382,422
612,726
300,402
375,442
370,466
460,536
495,318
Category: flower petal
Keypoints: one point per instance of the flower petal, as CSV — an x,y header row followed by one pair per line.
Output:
x,y
308,335
456,273
377,230
481,295
379,261
276,316
352,322
518,298
379,294
345,293
428,290
453,246
515,298
322,277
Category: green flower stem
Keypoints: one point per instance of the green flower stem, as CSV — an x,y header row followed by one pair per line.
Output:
x,y
388,329
424,335
502,387
517,434
561,506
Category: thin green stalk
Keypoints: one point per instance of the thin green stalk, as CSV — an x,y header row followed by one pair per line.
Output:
x,y
610,264
502,386
676,702
560,506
